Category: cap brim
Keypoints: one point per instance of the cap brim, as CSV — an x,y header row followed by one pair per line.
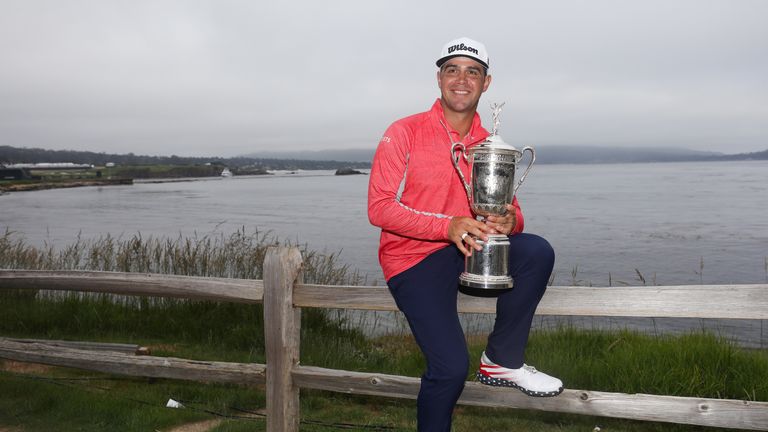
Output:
x,y
442,61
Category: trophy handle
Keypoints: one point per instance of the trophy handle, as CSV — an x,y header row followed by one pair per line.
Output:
x,y
457,151
530,164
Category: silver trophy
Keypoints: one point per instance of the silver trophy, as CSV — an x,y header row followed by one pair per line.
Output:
x,y
491,187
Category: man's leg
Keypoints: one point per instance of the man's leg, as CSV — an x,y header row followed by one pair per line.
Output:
x,y
531,259
426,294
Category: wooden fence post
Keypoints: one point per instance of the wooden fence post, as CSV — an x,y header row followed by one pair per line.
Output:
x,y
282,328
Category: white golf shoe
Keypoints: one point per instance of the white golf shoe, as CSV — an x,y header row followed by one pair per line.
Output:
x,y
526,379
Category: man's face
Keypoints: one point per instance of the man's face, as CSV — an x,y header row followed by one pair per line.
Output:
x,y
462,81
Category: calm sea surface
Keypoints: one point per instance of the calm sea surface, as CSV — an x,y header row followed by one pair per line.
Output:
x,y
674,223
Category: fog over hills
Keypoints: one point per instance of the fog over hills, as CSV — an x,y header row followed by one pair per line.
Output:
x,y
361,158
350,155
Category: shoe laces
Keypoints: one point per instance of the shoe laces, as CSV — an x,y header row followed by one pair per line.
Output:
x,y
530,369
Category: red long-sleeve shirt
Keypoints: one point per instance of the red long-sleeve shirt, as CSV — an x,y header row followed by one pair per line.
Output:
x,y
414,189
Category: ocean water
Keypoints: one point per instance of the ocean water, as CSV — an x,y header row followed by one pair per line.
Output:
x,y
666,223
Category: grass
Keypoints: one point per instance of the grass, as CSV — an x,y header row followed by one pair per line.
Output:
x,y
698,364
65,400
619,361
238,255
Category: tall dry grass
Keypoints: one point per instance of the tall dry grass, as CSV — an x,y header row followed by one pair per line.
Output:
x,y
238,255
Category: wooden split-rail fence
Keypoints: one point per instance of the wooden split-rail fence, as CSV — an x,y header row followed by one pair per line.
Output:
x,y
284,295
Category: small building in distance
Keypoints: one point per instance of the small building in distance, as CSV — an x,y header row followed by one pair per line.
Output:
x,y
51,166
15,174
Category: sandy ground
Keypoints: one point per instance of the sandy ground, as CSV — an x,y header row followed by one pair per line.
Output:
x,y
201,426
20,367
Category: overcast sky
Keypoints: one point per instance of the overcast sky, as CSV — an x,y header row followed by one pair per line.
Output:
x,y
223,78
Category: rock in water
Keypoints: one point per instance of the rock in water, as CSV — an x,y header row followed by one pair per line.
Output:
x,y
347,171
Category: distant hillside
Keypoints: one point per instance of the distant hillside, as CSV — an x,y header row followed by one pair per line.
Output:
x,y
595,154
9,155
355,155
761,155
360,158
552,154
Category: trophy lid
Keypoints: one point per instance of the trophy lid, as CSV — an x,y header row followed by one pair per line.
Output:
x,y
494,140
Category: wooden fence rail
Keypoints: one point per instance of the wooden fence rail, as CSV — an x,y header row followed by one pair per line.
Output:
x,y
139,284
284,294
679,301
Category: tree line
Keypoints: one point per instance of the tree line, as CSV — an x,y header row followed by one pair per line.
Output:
x,y
11,155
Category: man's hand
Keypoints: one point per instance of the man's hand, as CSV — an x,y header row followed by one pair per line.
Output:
x,y
503,224
464,230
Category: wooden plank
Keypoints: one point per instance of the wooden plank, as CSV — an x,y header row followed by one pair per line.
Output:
x,y
696,301
131,365
83,345
668,409
723,413
141,284
343,297
282,330
684,301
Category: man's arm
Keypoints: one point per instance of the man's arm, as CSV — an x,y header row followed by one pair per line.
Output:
x,y
388,172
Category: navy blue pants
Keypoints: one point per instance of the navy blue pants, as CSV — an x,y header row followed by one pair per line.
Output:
x,y
426,293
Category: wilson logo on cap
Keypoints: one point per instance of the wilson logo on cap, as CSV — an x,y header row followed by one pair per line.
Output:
x,y
461,47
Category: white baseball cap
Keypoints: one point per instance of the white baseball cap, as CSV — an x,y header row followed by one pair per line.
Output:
x,y
464,47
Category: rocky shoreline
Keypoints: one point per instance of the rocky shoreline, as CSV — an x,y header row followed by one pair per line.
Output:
x,y
44,185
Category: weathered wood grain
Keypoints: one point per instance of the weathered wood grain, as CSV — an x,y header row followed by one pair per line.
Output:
x,y
83,345
695,301
132,365
141,284
670,409
282,327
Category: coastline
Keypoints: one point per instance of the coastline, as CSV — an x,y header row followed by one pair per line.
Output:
x,y
44,185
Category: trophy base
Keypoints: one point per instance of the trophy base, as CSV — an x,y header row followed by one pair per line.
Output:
x,y
485,282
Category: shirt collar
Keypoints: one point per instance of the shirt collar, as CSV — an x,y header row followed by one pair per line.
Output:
x,y
477,132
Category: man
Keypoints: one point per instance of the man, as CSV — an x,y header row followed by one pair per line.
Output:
x,y
427,228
